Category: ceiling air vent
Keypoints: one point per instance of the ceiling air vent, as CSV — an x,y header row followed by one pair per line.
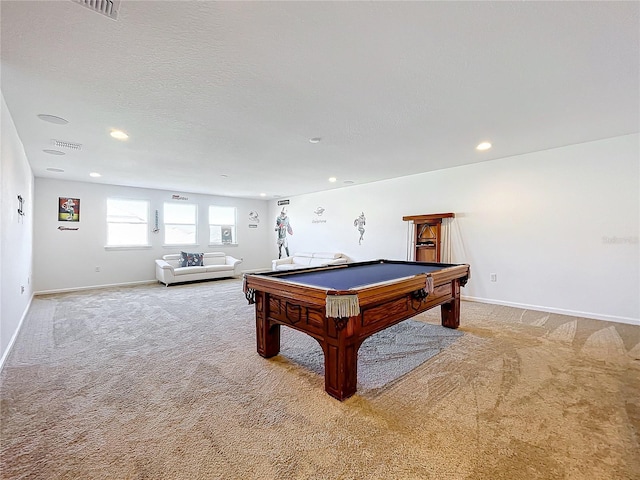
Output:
x,y
108,8
69,145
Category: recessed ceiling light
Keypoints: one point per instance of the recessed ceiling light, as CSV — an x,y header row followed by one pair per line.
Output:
x,y
55,170
119,135
315,140
52,119
53,152
224,175
483,146
332,179
348,182
263,194
95,174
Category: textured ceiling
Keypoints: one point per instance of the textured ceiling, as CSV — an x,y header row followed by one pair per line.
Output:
x,y
223,97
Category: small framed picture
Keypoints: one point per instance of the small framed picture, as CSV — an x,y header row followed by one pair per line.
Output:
x,y
68,209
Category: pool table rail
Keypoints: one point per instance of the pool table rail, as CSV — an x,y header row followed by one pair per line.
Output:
x,y
366,293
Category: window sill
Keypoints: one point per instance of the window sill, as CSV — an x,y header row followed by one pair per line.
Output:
x,y
127,247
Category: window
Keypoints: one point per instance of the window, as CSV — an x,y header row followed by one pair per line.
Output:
x,y
127,222
222,225
180,223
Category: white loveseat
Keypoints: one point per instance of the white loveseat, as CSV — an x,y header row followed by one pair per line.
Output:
x,y
215,265
306,260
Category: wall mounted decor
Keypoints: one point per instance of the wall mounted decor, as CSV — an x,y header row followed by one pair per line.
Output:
x,y
318,212
283,227
68,209
254,219
359,223
156,225
20,206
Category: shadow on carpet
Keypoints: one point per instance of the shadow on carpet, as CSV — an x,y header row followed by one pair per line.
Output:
x,y
383,358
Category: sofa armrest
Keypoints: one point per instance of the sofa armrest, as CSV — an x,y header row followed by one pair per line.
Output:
x,y
229,260
234,262
164,272
281,261
164,265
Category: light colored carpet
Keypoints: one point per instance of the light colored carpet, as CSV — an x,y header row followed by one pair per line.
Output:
x,y
383,358
150,382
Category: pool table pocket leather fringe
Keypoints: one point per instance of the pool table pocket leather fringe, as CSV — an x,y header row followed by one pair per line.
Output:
x,y
429,285
342,306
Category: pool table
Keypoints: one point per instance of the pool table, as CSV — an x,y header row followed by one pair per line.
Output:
x,y
340,306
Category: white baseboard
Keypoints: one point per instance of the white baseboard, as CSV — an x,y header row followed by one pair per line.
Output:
x,y
560,311
94,287
15,334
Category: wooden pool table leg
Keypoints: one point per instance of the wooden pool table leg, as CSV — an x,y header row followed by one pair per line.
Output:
x,y
267,333
340,369
450,312
269,340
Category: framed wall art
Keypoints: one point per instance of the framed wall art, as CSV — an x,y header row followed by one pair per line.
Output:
x,y
68,209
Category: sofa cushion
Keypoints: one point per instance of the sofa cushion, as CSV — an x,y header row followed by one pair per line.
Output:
x,y
299,260
327,255
188,270
318,262
218,268
290,266
214,258
191,259
309,260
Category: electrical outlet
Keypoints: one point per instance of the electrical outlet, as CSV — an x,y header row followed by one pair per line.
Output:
x,y
97,269
21,289
493,277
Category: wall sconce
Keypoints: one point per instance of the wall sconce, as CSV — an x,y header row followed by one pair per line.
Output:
x,y
20,206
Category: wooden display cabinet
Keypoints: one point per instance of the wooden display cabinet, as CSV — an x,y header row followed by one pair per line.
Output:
x,y
427,236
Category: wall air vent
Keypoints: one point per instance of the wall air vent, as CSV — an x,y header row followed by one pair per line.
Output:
x,y
69,145
108,8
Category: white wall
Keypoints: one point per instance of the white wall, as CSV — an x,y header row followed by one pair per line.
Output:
x,y
66,260
558,227
16,234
